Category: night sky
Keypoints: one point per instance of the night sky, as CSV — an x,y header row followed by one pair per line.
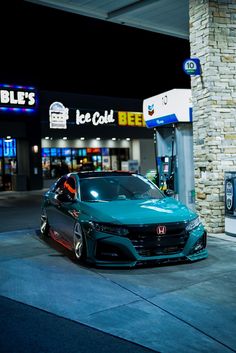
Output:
x,y
54,50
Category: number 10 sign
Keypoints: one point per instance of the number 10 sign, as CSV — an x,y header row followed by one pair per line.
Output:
x,y
192,67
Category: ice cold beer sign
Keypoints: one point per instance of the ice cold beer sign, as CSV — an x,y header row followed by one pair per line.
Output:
x,y
95,118
59,114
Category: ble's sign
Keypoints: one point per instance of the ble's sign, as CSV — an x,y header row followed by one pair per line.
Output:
x,y
17,98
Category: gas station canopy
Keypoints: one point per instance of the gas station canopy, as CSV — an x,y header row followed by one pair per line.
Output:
x,y
162,16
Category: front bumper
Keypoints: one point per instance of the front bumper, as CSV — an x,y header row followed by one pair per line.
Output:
x,y
116,251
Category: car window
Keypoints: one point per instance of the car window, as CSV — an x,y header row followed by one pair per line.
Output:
x,y
111,188
59,185
69,188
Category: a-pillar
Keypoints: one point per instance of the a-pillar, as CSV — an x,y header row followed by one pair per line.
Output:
x,y
213,41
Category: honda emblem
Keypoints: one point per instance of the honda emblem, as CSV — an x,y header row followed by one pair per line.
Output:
x,y
161,230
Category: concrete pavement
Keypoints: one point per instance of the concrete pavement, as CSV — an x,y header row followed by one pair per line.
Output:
x,y
25,329
179,308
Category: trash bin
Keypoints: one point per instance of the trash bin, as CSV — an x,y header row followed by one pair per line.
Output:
x,y
230,203
19,182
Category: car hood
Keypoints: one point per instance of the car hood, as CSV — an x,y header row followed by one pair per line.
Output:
x,y
139,211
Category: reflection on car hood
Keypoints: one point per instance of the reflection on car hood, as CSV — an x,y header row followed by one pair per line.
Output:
x,y
139,211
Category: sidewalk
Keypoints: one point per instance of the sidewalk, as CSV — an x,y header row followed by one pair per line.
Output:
x,y
6,194
223,236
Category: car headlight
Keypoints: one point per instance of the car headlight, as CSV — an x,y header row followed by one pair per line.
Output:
x,y
193,224
109,228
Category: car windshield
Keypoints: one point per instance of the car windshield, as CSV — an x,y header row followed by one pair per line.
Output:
x,y
112,188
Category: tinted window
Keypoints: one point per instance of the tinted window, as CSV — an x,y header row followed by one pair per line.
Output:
x,y
59,185
69,188
109,188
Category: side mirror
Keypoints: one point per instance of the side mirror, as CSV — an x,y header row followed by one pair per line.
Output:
x,y
169,192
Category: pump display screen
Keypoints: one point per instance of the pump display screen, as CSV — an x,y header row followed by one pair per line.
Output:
x,y
166,168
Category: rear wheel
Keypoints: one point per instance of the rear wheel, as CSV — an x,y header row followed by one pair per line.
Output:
x,y
44,226
79,243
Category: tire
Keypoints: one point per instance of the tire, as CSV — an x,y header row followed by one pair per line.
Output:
x,y
44,225
79,243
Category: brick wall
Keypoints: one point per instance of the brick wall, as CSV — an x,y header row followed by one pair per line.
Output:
x,y
213,41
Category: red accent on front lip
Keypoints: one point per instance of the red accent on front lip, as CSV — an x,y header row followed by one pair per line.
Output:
x,y
161,230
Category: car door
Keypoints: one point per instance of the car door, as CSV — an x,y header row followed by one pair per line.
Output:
x,y
53,207
61,213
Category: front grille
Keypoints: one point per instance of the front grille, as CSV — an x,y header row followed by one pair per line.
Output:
x,y
147,242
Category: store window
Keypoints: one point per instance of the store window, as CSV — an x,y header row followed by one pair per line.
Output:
x,y
8,162
76,159
117,156
56,162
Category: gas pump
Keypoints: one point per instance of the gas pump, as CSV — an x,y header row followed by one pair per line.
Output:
x,y
166,158
166,173
167,168
170,114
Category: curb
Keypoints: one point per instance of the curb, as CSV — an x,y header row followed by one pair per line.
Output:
x,y
223,236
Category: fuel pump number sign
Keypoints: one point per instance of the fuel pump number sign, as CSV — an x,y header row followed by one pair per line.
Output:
x,y
192,66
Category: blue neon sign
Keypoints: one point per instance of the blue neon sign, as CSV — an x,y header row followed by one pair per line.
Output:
x,y
15,98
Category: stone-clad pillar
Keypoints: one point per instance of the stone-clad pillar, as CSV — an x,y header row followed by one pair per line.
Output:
x,y
213,41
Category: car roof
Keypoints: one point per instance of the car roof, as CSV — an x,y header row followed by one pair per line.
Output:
x,y
92,174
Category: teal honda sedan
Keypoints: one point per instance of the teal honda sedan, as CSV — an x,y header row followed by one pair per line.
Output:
x,y
117,218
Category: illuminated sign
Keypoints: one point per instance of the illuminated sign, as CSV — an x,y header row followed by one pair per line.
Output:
x,y
95,118
192,67
9,147
93,150
174,106
130,119
17,98
58,116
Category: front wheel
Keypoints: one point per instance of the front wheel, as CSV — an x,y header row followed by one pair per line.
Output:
x,y
79,243
44,225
